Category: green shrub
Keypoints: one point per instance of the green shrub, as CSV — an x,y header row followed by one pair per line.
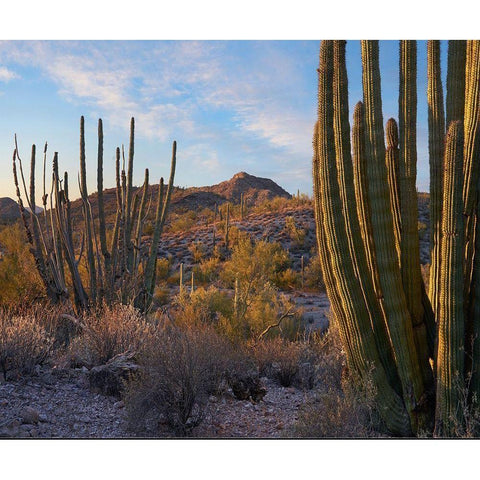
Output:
x,y
202,307
296,234
313,278
198,251
20,282
255,263
207,271
162,269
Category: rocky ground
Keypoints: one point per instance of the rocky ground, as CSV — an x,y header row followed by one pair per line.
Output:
x,y
272,226
59,404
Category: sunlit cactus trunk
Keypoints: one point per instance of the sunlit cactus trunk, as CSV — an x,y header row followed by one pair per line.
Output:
x,y
384,243
436,134
348,301
451,321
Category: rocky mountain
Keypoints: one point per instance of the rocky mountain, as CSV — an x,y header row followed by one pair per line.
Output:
x,y
9,210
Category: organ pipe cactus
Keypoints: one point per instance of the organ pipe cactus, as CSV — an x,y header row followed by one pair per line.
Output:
x,y
366,221
122,270
451,323
436,133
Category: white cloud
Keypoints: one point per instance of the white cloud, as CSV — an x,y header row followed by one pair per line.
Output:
x,y
177,88
6,75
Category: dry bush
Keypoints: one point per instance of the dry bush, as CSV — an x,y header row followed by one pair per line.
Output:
x,y
345,405
278,359
287,362
180,369
23,344
161,296
109,332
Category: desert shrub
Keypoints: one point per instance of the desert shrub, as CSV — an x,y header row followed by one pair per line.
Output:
x,y
255,263
288,279
181,222
313,277
109,332
253,270
332,415
297,235
276,359
162,268
161,296
265,308
275,204
23,344
181,368
207,271
202,306
20,282
198,250
345,404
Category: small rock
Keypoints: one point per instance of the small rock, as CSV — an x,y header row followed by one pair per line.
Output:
x,y
10,429
29,415
84,419
119,404
213,399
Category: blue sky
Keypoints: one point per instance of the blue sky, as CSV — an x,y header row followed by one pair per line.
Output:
x,y
231,105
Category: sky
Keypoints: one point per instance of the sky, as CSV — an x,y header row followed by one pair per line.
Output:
x,y
230,105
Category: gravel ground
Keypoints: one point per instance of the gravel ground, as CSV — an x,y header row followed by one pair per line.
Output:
x,y
58,404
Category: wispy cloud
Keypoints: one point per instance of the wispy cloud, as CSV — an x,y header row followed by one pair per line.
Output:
x,y
227,101
6,75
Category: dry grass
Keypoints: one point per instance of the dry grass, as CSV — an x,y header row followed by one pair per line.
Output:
x,y
344,407
23,344
180,369
109,332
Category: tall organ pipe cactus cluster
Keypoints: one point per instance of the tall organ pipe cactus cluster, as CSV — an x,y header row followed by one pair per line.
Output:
x,y
422,347
118,269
